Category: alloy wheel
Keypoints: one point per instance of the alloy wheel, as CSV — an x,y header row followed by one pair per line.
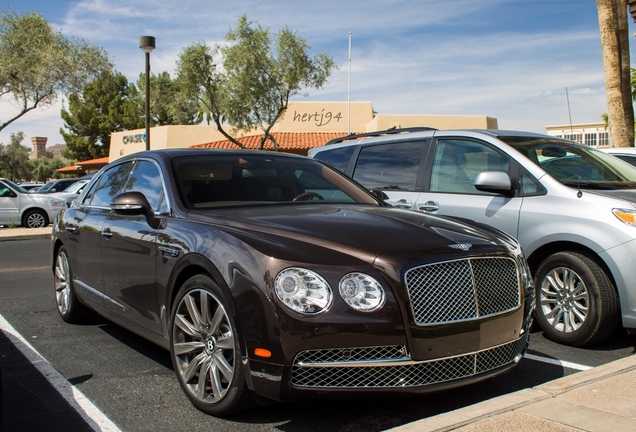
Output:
x,y
204,346
564,299
62,283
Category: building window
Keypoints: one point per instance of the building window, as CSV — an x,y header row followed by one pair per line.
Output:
x,y
603,138
575,137
590,139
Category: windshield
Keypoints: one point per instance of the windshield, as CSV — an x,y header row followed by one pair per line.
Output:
x,y
76,187
16,186
575,164
237,180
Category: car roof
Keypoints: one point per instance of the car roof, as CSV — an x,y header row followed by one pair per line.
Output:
x,y
394,134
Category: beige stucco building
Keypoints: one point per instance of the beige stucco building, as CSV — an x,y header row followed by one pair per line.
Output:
x,y
315,122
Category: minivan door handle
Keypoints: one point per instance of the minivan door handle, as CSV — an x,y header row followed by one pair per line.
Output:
x,y
428,206
403,204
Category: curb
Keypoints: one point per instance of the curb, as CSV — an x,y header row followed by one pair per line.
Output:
x,y
513,401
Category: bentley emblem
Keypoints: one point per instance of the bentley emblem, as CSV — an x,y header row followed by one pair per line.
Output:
x,y
461,246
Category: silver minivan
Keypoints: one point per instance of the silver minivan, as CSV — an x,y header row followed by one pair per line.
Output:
x,y
573,209
19,207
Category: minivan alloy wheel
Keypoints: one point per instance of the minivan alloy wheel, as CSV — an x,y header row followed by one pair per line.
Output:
x,y
564,299
577,303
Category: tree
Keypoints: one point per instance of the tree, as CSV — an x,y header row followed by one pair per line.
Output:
x,y
38,64
107,104
254,89
199,80
44,168
612,17
14,159
168,105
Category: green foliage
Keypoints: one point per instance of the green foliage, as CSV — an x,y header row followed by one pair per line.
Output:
x,y
254,88
107,104
199,80
45,168
14,159
168,105
38,64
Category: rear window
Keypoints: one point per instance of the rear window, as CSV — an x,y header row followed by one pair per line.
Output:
x,y
337,157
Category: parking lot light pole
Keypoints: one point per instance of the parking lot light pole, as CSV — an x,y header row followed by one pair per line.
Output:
x,y
147,44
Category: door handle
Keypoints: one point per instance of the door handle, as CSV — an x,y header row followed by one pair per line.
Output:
x,y
403,204
428,206
107,233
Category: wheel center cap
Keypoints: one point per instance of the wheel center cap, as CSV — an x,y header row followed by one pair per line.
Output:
x,y
210,344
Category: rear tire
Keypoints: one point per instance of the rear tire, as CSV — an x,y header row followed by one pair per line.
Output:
x,y
68,305
577,304
205,349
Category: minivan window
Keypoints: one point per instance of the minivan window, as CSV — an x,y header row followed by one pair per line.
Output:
x,y
337,158
457,162
389,166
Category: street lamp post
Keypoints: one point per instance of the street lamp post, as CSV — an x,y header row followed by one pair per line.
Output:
x,y
147,44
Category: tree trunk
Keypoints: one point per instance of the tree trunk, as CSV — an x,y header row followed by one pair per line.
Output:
x,y
612,18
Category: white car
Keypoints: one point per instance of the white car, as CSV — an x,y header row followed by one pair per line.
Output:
x,y
72,192
627,154
19,207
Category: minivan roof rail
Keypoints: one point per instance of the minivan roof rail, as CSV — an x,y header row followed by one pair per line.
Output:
x,y
389,131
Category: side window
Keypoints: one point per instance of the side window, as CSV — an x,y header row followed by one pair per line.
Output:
x,y
337,157
145,178
389,166
457,162
103,192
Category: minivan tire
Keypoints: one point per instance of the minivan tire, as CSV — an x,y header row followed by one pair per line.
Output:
x,y
577,304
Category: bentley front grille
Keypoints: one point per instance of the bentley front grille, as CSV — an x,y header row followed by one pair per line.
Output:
x,y
463,290
390,367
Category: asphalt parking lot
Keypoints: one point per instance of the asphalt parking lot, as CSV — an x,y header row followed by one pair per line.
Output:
x,y
101,377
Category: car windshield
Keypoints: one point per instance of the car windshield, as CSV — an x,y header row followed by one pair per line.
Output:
x,y
76,187
15,186
239,180
575,164
46,186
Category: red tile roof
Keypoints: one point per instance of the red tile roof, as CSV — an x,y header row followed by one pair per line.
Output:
x,y
92,164
290,142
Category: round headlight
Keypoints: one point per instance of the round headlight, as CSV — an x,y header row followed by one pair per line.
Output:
x,y
303,290
362,292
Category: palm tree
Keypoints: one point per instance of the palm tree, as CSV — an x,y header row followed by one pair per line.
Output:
x,y
612,18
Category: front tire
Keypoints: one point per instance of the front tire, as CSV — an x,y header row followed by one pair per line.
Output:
x,y
205,350
68,305
577,304
35,219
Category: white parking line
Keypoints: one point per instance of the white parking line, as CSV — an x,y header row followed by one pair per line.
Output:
x,y
89,412
557,362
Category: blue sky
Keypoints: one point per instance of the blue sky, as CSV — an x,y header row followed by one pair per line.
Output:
x,y
509,59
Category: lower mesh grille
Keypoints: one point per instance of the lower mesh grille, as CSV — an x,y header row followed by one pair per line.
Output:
x,y
314,369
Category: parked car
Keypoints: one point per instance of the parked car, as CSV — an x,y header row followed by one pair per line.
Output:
x,y
19,207
55,185
627,154
31,187
274,277
571,207
72,192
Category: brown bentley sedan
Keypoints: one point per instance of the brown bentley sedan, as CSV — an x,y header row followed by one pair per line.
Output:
x,y
274,277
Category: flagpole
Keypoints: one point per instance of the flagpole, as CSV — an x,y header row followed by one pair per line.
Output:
x,y
349,90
